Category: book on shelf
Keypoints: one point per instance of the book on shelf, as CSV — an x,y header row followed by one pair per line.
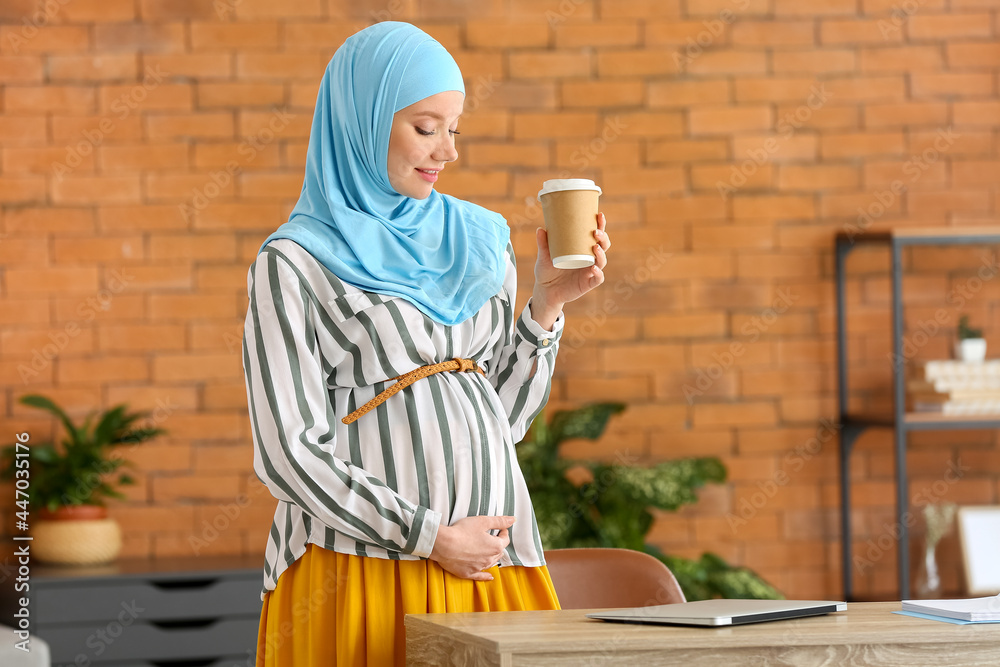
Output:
x,y
956,388
938,369
969,609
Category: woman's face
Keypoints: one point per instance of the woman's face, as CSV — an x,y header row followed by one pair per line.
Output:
x,y
422,142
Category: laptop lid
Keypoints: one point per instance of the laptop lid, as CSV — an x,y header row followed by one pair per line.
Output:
x,y
721,612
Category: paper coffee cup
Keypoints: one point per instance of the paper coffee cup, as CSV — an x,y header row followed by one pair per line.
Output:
x,y
570,208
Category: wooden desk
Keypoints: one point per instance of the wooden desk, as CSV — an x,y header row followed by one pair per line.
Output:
x,y
866,634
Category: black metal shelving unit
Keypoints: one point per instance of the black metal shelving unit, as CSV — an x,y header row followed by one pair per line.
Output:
x,y
902,422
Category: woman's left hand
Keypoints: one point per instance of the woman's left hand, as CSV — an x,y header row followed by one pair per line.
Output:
x,y
555,287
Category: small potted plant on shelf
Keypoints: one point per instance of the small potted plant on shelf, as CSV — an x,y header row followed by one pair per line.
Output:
x,y
971,345
67,485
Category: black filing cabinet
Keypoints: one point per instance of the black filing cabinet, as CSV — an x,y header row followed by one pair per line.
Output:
x,y
182,612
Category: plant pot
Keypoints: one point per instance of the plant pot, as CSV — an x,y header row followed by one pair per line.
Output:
x,y
80,535
971,349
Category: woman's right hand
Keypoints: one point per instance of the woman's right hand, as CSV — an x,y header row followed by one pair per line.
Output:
x,y
466,547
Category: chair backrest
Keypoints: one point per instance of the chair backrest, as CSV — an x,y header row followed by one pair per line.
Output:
x,y
605,578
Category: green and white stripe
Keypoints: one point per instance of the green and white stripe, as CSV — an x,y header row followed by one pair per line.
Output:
x,y
315,348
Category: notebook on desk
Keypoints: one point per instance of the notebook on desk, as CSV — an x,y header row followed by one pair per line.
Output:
x,y
721,612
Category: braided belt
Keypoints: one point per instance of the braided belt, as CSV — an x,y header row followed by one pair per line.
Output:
x,y
405,380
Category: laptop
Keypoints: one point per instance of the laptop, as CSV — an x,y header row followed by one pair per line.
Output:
x,y
721,612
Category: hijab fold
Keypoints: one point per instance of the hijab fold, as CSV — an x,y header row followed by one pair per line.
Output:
x,y
444,255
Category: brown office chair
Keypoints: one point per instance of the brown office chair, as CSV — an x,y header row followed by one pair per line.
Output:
x,y
605,578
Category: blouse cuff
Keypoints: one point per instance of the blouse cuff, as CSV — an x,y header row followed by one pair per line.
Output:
x,y
426,524
543,339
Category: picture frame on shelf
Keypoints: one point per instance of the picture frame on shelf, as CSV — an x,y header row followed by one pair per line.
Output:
x,y
979,534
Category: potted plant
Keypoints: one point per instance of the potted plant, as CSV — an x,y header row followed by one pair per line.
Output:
x,y
971,345
68,484
590,504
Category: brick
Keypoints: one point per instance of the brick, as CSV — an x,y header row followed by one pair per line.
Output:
x,y
238,216
20,130
98,250
145,217
818,177
942,202
472,183
104,67
18,40
103,305
951,84
257,66
603,388
81,132
685,325
160,276
686,93
879,173
677,33
641,358
976,113
180,187
973,173
901,59
640,181
49,219
211,95
46,341
296,36
515,94
488,34
734,414
139,37
172,488
865,144
225,395
575,94
773,206
818,118
906,114
193,66
607,32
222,276
549,64
117,99
760,89
86,11
814,61
687,207
205,125
48,98
217,336
728,62
849,32
946,27
713,177
14,251
197,247
972,55
196,367
632,63
505,154
716,237
142,338
274,124
261,9
728,120
40,160
96,189
553,125
866,88
142,157
780,147
847,205
185,307
670,150
254,185
21,69
102,369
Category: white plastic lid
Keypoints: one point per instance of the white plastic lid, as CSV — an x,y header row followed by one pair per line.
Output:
x,y
560,184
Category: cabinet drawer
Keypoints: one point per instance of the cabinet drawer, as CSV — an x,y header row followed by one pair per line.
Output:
x,y
151,642
149,600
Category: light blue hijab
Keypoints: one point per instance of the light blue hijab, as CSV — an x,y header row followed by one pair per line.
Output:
x,y
444,255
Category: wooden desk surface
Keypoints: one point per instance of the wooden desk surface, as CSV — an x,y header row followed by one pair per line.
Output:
x,y
866,634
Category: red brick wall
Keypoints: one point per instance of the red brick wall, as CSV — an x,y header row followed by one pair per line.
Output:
x,y
148,146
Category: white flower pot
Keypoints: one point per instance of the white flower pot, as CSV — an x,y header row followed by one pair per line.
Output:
x,y
971,349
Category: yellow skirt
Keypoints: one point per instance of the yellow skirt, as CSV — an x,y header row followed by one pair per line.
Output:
x,y
338,609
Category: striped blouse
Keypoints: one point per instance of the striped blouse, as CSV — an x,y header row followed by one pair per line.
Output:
x,y
316,348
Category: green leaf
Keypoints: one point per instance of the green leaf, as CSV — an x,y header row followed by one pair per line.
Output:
x,y
586,422
43,403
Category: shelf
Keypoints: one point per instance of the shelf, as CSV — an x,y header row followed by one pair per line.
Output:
x,y
926,421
